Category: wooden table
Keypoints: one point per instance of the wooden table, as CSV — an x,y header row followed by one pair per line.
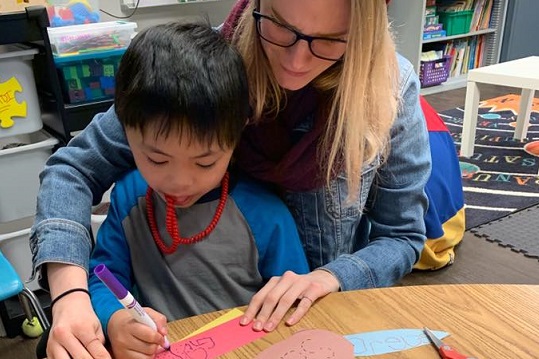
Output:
x,y
521,73
486,321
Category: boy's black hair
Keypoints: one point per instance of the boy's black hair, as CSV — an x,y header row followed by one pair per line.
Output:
x,y
183,78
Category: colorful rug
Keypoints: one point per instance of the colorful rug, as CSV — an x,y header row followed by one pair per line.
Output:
x,y
502,175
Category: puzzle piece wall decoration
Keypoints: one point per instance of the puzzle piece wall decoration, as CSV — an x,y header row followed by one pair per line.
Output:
x,y
9,107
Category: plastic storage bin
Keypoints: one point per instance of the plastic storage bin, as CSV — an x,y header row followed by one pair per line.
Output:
x,y
22,158
72,12
81,39
19,104
434,72
89,77
456,22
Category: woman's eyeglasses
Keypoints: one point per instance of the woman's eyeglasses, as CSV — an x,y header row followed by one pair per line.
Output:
x,y
282,35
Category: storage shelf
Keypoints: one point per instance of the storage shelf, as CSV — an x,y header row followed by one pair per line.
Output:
x,y
61,119
460,36
407,20
451,84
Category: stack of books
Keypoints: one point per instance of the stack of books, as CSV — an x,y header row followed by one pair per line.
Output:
x,y
482,15
433,28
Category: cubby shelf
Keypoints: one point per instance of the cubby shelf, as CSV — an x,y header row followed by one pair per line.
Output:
x,y
30,27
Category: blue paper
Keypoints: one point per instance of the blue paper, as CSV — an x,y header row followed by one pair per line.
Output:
x,y
389,341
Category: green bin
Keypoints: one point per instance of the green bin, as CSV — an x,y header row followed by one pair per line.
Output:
x,y
456,22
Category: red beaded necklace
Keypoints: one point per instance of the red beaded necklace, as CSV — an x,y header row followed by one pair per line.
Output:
x,y
172,220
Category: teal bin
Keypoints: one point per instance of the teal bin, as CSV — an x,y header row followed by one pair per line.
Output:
x,y
456,22
90,76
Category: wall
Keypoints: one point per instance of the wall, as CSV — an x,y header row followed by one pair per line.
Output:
x,y
215,11
520,36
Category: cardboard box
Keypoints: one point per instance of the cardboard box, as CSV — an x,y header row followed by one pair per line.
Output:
x,y
19,5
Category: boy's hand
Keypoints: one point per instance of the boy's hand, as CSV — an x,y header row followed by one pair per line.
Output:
x,y
76,331
133,340
271,303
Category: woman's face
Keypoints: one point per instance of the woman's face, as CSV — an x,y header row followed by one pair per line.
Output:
x,y
296,66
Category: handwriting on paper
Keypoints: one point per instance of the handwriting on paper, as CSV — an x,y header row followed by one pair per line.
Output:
x,y
389,341
213,342
312,344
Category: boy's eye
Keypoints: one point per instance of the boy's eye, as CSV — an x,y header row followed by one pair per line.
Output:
x,y
156,162
205,165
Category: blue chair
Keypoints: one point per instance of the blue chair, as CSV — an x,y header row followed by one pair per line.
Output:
x,y
11,285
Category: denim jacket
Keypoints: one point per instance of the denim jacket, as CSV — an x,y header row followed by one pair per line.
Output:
x,y
371,242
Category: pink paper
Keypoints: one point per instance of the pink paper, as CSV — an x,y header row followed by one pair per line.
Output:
x,y
312,344
213,342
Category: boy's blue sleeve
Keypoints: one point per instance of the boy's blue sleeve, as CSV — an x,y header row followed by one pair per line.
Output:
x,y
111,249
273,228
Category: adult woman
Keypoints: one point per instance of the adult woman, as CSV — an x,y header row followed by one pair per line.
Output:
x,y
337,128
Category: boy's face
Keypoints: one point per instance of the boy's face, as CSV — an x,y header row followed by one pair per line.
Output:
x,y
178,166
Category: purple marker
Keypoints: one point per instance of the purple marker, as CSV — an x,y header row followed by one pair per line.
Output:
x,y
128,301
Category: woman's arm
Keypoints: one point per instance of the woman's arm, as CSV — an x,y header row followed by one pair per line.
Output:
x,y
397,201
74,178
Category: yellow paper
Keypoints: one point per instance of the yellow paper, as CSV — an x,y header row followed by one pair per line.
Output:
x,y
234,313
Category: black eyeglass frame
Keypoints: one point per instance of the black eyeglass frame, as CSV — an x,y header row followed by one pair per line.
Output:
x,y
299,36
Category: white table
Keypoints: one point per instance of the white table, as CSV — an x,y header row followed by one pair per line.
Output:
x,y
521,73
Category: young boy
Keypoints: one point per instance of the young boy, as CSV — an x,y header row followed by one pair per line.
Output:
x,y
181,232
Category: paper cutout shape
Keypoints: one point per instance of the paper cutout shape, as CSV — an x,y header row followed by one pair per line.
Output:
x,y
9,107
389,341
232,314
212,343
311,344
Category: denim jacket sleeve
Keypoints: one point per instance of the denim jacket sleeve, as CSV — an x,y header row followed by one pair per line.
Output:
x,y
74,178
397,201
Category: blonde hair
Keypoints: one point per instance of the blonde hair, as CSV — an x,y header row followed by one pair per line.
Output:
x,y
361,89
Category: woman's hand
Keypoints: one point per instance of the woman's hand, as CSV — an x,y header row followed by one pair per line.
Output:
x,y
76,331
268,307
133,340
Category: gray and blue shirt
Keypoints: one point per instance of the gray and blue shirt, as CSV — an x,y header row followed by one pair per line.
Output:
x,y
256,238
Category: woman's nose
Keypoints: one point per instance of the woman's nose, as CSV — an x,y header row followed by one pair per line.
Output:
x,y
299,55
